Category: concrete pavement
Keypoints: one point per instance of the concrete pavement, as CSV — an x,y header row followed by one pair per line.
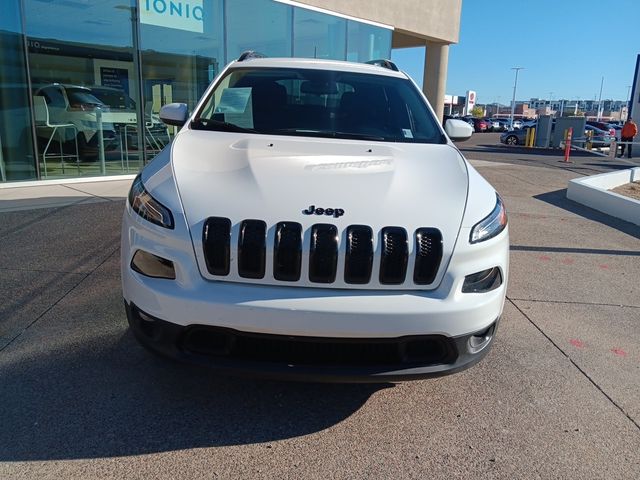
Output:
x,y
557,397
16,197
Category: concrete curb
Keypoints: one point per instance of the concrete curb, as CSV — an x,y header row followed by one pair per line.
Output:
x,y
593,191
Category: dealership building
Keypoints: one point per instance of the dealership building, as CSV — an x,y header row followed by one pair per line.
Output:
x,y
82,81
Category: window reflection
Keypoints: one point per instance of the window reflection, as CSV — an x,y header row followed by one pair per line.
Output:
x,y
266,29
180,57
83,97
16,142
367,42
318,35
72,60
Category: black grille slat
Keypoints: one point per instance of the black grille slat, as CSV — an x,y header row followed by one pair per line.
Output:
x,y
428,255
359,254
252,248
216,238
394,255
287,252
323,254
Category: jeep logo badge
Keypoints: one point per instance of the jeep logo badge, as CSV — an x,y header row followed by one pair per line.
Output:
x,y
335,212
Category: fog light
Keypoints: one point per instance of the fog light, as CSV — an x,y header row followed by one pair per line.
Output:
x,y
479,341
152,266
483,281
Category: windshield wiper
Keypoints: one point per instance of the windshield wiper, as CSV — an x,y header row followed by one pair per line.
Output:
x,y
327,133
220,126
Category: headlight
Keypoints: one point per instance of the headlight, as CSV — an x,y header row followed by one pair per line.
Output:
x,y
492,225
148,207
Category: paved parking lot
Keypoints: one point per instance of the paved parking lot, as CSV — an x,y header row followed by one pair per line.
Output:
x,y
557,397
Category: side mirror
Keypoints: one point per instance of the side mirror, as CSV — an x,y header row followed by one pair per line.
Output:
x,y
457,130
174,114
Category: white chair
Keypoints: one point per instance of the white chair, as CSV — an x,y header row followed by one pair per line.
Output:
x,y
43,121
153,131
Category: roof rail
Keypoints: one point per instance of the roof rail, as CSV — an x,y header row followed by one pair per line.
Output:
x,y
249,54
384,64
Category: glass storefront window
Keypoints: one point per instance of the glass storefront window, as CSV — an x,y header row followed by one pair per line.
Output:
x,y
82,81
260,25
182,51
16,139
76,51
367,42
318,35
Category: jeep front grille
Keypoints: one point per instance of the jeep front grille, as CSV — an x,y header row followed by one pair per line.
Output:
x,y
324,251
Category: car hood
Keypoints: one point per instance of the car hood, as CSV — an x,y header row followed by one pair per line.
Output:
x,y
275,178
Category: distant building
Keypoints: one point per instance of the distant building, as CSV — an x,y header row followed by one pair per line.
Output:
x,y
611,109
522,110
454,105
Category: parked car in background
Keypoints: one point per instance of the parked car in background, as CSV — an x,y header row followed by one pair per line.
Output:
x,y
603,126
494,125
599,138
514,137
503,124
480,125
77,106
517,124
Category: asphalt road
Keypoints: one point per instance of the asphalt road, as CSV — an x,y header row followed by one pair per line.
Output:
x,y
557,397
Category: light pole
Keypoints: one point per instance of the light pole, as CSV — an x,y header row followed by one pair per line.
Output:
x,y
628,101
513,101
600,101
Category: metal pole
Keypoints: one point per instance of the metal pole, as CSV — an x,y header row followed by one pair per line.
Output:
x,y
600,100
3,175
513,101
137,66
103,166
32,115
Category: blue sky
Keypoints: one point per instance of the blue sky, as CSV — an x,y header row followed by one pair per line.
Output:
x,y
566,47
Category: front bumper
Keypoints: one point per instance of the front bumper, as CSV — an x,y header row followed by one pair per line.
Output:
x,y
309,358
286,314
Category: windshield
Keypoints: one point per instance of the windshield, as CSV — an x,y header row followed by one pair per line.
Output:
x,y
81,96
116,99
322,103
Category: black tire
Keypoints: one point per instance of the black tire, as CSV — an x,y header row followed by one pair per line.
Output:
x,y
511,140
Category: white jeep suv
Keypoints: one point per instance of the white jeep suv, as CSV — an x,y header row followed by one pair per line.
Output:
x,y
312,220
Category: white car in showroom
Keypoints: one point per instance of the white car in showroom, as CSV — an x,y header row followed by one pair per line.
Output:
x,y
74,107
313,221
